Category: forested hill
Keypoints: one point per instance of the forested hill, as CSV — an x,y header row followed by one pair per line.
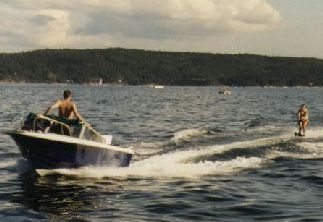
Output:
x,y
152,67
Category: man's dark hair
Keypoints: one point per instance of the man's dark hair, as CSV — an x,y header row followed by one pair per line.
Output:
x,y
67,94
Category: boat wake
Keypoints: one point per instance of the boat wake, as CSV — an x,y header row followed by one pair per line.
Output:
x,y
187,135
165,169
221,159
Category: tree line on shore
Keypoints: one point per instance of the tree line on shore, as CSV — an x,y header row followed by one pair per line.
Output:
x,y
137,67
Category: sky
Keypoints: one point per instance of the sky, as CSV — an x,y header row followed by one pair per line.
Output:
x,y
268,27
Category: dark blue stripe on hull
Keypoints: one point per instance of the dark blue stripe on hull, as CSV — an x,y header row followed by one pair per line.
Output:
x,y
47,154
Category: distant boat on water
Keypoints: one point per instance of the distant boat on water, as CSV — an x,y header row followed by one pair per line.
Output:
x,y
96,82
225,91
157,86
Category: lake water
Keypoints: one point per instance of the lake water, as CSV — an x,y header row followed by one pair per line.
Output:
x,y
200,156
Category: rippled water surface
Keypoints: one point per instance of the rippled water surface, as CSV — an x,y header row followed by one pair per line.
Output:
x,y
200,156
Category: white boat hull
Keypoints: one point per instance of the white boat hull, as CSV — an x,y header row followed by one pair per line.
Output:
x,y
52,151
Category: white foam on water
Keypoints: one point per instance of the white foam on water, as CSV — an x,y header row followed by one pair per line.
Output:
x,y
272,128
180,164
186,135
8,164
20,165
149,169
176,164
217,149
314,150
312,147
275,154
314,133
145,148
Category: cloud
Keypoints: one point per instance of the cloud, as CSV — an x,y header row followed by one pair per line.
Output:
x,y
170,18
101,23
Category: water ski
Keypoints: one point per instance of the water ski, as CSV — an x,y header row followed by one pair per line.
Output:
x,y
299,135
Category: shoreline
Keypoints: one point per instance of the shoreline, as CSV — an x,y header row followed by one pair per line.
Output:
x,y
140,67
149,85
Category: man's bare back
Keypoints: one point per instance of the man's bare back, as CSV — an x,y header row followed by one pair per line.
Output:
x,y
66,108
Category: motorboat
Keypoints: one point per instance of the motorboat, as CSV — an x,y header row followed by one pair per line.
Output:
x,y
157,86
225,91
51,142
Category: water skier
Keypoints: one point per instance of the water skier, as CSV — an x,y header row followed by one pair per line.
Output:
x,y
302,120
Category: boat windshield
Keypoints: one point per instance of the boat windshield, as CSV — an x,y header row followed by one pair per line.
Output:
x,y
61,126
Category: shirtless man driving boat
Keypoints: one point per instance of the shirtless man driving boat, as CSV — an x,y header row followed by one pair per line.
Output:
x,y
66,107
